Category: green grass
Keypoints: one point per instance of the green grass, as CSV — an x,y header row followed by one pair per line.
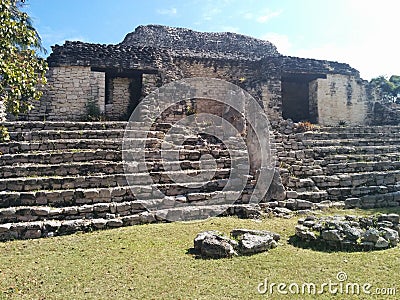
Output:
x,y
152,262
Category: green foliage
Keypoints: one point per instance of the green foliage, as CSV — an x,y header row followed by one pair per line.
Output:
x,y
4,136
93,111
22,72
390,88
190,110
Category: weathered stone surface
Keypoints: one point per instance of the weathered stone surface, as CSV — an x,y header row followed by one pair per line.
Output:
x,y
212,244
381,243
391,235
115,223
304,204
352,233
251,243
236,233
348,232
370,235
331,235
304,233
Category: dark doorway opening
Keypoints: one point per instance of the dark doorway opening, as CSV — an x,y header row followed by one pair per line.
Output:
x,y
135,92
296,97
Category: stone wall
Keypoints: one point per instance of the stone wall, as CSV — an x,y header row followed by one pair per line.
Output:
x,y
98,89
119,98
69,90
260,80
272,100
340,99
150,82
163,54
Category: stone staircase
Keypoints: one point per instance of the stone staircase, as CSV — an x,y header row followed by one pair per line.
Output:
x,y
60,177
358,166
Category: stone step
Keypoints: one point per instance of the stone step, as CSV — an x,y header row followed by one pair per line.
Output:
x,y
321,152
353,158
82,155
347,135
42,135
301,183
26,126
52,145
66,197
354,153
104,144
351,142
50,228
86,211
60,156
313,196
374,178
360,129
192,154
106,167
353,167
20,126
341,193
103,180
89,196
301,171
390,199
61,169
103,210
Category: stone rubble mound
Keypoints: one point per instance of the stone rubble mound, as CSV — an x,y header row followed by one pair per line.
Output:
x,y
350,232
186,42
213,244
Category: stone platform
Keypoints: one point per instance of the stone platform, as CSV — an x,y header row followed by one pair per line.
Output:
x,y
62,177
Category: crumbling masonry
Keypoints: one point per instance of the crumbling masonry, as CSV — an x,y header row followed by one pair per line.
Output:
x,y
61,174
117,77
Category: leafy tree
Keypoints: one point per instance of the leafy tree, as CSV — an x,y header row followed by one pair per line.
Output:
x,y
390,89
22,71
395,79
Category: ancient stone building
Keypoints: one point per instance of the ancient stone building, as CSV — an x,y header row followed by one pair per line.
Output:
x,y
115,78
59,176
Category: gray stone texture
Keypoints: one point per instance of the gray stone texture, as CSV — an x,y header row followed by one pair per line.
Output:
x,y
349,232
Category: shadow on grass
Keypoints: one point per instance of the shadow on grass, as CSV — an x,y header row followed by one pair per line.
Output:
x,y
197,255
317,245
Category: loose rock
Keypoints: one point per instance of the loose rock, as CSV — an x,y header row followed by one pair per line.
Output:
x,y
213,244
350,232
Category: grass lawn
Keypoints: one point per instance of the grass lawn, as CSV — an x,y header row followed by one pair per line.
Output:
x,y
152,262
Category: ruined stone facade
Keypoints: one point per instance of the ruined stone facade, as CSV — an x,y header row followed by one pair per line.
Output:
x,y
118,77
59,176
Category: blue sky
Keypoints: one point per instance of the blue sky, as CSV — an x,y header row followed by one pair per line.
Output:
x,y
362,33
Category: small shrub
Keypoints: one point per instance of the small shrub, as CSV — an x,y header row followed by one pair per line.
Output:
x,y
342,123
4,135
93,112
190,110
